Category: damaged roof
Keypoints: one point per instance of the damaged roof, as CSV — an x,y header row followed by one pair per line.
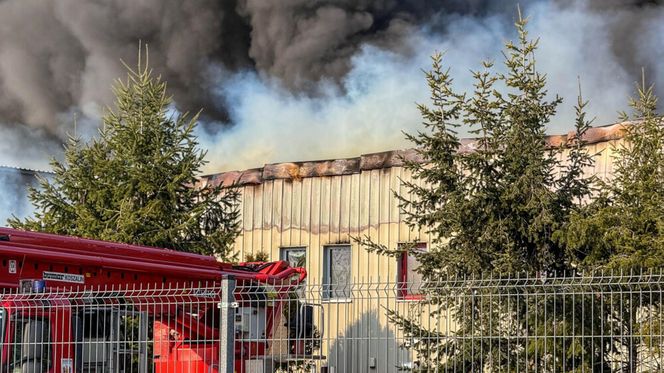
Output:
x,y
12,169
386,159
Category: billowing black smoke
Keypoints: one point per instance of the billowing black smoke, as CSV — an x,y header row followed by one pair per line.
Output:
x,y
61,55
59,58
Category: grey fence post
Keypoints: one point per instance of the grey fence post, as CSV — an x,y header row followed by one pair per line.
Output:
x,y
227,325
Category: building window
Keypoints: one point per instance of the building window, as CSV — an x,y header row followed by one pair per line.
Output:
x,y
409,281
295,256
336,272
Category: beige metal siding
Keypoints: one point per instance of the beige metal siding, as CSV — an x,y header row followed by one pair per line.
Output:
x,y
313,212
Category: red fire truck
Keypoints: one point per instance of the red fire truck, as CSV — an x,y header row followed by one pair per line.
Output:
x,y
69,305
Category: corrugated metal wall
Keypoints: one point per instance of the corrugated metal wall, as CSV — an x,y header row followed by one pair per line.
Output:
x,y
313,212
316,211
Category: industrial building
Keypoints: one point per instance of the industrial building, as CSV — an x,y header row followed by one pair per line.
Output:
x,y
308,214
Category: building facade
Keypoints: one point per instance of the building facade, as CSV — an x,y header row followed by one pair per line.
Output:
x,y
310,213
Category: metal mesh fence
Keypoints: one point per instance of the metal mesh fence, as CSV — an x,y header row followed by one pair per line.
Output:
x,y
609,322
115,329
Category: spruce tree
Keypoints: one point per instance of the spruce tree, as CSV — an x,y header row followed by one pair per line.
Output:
x,y
137,181
622,231
494,210
624,226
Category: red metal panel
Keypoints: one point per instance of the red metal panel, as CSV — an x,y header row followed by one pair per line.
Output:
x,y
104,263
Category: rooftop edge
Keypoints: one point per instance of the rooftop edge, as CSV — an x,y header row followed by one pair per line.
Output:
x,y
372,161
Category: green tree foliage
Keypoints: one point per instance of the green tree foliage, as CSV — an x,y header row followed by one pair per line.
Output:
x,y
495,209
624,226
137,182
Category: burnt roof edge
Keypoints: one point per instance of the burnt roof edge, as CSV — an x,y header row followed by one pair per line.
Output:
x,y
380,160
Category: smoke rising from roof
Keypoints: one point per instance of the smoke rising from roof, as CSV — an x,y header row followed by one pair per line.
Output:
x,y
333,78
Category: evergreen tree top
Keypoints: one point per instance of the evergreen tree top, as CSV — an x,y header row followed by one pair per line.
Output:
x,y
497,208
624,226
134,182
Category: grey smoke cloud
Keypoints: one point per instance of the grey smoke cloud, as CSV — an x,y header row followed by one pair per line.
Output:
x,y
376,100
303,41
314,57
27,147
63,54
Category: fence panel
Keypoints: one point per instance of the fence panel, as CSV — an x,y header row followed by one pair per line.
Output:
x,y
148,329
607,322
599,323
